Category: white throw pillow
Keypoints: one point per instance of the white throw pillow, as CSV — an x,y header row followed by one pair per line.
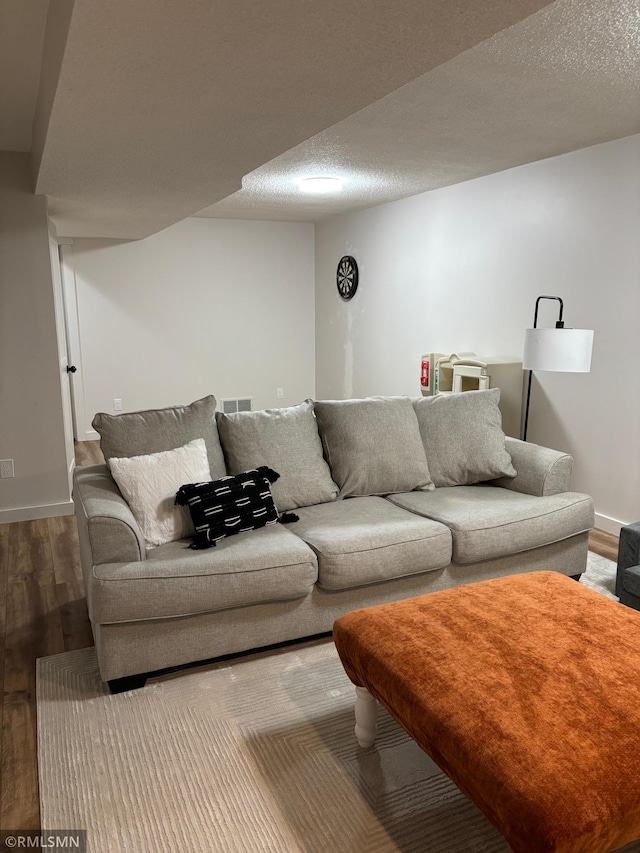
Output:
x,y
149,485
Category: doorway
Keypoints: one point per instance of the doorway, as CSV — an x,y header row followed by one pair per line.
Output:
x,y
65,368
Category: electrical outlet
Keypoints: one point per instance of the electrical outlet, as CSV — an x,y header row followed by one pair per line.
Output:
x,y
117,404
279,393
6,469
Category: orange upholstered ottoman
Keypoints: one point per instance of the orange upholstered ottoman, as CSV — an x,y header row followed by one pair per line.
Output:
x,y
525,690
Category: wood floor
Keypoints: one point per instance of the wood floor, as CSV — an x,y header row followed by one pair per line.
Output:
x,y
43,612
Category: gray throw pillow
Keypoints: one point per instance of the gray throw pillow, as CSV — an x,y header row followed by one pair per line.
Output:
x,y
286,440
373,445
156,430
463,438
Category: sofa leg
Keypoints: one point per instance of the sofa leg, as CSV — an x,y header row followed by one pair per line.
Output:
x,y
129,682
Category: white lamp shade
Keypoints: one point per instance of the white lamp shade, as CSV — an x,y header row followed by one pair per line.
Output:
x,y
561,350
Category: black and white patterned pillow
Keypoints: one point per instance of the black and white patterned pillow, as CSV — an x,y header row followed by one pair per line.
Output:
x,y
230,505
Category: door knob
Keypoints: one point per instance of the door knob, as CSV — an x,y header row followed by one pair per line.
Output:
x,y
71,368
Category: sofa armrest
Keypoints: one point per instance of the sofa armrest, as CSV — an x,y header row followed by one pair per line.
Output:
x,y
541,471
629,546
628,552
107,530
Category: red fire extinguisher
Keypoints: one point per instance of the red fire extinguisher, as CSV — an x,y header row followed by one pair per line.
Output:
x,y
424,372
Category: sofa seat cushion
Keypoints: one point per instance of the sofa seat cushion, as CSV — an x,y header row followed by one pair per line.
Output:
x,y
487,521
366,540
270,564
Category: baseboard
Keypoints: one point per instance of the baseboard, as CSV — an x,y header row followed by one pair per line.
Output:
x,y
90,435
30,513
609,525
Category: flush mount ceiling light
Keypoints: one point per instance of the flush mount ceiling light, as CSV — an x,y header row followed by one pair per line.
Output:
x,y
320,186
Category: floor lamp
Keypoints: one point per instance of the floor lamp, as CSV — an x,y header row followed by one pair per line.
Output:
x,y
556,349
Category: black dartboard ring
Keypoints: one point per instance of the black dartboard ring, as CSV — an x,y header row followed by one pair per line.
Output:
x,y
347,277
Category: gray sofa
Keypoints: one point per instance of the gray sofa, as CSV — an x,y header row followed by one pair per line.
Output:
x,y
364,543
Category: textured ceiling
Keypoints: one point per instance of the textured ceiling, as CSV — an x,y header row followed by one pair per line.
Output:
x,y
22,26
147,112
565,78
162,107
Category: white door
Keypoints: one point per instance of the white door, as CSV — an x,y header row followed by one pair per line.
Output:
x,y
81,430
63,361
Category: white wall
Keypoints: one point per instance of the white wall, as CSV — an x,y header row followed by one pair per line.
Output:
x,y
204,307
461,267
31,419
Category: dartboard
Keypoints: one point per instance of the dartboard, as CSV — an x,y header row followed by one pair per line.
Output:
x,y
347,277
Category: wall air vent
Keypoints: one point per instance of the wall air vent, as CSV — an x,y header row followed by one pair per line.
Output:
x,y
241,404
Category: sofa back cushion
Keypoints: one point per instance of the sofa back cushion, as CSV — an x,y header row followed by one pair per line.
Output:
x,y
373,445
463,438
284,439
156,430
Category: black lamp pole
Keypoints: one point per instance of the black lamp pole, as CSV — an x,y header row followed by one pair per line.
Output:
x,y
559,325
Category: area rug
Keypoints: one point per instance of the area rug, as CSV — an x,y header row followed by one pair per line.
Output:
x,y
254,755
600,575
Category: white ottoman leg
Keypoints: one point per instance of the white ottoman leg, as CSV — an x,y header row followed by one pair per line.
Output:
x,y
366,712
